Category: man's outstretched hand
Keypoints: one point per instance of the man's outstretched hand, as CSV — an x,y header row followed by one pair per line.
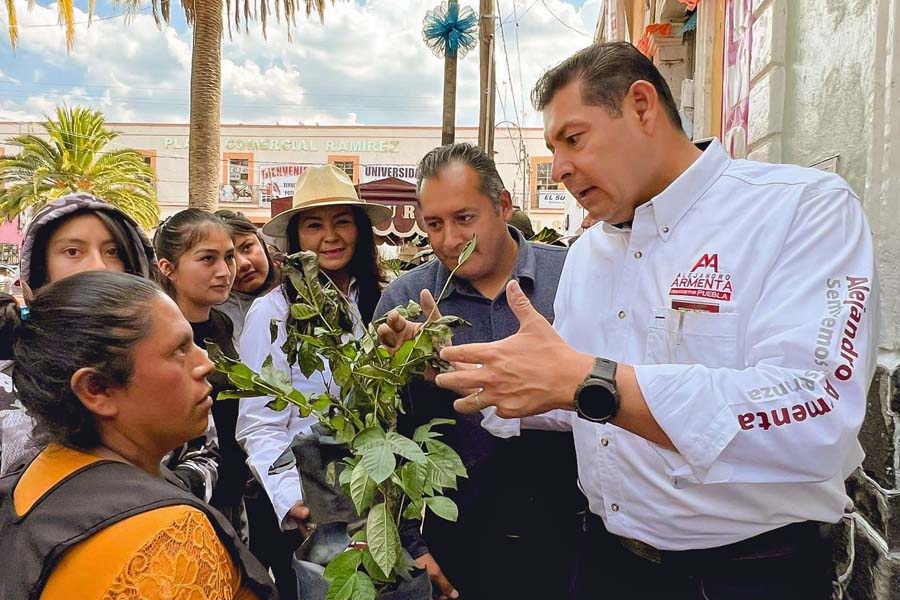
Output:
x,y
528,373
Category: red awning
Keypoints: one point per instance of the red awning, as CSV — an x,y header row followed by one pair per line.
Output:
x,y
400,197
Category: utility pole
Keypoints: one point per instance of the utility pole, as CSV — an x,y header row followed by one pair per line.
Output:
x,y
488,78
448,128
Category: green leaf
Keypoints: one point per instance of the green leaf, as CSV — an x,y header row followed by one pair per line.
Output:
x,y
274,376
467,251
444,466
368,436
379,374
321,403
423,432
413,310
331,473
402,353
383,537
235,394
358,586
414,510
452,321
303,312
377,458
405,447
412,480
343,565
443,507
273,330
308,360
277,404
340,372
345,475
362,489
372,567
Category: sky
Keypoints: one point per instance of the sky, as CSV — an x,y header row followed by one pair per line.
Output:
x,y
366,65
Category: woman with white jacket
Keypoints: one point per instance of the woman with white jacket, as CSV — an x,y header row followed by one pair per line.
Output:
x,y
326,217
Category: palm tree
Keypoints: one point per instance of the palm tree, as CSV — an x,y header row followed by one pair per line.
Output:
x,y
72,157
206,17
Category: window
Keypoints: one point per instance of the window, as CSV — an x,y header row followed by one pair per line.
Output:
x,y
542,185
347,164
544,177
239,171
150,161
237,177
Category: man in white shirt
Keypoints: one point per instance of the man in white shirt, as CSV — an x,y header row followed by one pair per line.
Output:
x,y
714,341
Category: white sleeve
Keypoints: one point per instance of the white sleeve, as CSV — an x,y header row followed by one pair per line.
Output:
x,y
820,357
554,420
263,433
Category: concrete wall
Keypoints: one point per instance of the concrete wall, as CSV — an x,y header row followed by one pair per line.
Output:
x,y
830,52
840,100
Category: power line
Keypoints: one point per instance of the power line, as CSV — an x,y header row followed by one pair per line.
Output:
x,y
185,103
525,12
566,25
187,90
509,71
519,60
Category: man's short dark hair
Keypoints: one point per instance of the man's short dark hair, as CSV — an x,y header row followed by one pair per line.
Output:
x,y
489,181
606,72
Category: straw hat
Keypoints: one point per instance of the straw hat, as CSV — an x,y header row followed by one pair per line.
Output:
x,y
323,186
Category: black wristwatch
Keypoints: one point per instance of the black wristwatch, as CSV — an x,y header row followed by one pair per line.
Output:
x,y
597,398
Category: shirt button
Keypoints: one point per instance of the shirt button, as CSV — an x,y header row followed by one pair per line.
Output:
x,y
604,442
665,230
497,307
614,507
638,254
621,314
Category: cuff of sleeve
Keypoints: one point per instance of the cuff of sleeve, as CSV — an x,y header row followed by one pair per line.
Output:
x,y
411,539
697,420
284,497
498,426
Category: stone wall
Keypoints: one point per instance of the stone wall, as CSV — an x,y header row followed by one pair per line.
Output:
x,y
868,541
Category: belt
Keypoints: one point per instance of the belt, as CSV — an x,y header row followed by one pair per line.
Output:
x,y
782,541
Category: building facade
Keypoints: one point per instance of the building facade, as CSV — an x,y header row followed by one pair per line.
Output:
x,y
811,83
262,162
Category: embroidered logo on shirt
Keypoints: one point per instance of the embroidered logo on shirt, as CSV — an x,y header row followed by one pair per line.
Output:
x,y
703,281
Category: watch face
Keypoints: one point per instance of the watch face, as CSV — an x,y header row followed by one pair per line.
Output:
x,y
597,402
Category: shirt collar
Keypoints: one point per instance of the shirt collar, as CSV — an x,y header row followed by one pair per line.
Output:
x,y
353,289
525,269
670,205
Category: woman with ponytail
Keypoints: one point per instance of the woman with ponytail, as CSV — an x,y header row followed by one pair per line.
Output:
x,y
91,516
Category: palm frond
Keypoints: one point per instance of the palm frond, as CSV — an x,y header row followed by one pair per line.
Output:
x,y
13,23
67,18
73,155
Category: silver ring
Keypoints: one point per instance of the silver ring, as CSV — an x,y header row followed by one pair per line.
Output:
x,y
478,400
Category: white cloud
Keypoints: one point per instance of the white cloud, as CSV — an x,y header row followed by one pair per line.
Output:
x,y
366,64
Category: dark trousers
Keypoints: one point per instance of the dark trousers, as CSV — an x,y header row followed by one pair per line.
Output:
x,y
490,565
273,547
791,563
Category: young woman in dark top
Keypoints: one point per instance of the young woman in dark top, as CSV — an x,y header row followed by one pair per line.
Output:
x,y
256,273
197,269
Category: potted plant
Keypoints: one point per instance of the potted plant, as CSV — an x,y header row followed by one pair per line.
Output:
x,y
387,476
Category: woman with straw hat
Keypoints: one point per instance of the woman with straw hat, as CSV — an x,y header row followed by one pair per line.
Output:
x,y
327,217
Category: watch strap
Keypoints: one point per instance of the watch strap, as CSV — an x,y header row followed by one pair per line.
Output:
x,y
604,370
